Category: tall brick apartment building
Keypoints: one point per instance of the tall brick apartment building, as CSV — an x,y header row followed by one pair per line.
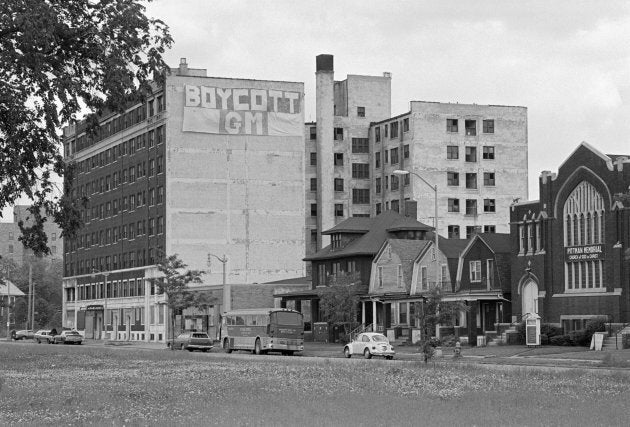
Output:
x,y
208,168
570,248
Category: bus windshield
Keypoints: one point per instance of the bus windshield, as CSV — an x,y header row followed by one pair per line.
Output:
x,y
286,318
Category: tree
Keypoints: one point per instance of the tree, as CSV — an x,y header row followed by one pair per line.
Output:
x,y
339,301
175,283
432,312
57,59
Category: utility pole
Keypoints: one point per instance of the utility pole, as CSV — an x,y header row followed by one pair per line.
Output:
x,y
30,293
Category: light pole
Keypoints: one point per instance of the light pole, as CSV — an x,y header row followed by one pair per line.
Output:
x,y
226,291
435,219
105,274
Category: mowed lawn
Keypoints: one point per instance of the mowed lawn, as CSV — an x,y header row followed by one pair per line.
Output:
x,y
76,385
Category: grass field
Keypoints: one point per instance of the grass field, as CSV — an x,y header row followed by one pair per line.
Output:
x,y
108,386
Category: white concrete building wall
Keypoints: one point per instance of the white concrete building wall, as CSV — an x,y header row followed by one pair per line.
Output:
x,y
236,195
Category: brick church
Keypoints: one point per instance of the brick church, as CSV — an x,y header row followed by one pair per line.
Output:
x,y
570,248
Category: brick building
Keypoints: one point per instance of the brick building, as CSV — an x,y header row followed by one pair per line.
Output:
x,y
476,155
12,250
570,256
207,167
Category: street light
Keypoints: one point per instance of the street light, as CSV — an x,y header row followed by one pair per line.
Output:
x,y
435,219
105,274
226,292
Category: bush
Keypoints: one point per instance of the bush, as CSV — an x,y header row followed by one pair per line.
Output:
x,y
580,337
520,331
544,339
595,325
550,330
560,340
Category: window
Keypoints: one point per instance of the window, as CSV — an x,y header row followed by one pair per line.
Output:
x,y
10,235
452,178
453,231
313,209
361,170
489,229
471,127
406,124
385,129
377,184
377,134
313,159
338,209
160,196
406,151
377,160
385,160
451,125
406,179
160,164
394,156
360,145
472,230
394,129
394,205
360,111
453,205
378,208
489,205
360,196
379,276
488,126
338,134
488,153
10,249
399,280
338,184
338,159
471,180
394,181
313,184
424,278
386,182
475,271
313,133
471,207
471,154
452,152
488,179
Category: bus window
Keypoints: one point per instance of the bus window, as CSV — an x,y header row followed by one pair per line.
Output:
x,y
287,318
240,320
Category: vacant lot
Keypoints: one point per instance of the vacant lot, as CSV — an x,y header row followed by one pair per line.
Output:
x,y
79,385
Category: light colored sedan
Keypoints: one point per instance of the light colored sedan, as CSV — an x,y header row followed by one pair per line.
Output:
x,y
67,337
370,344
44,335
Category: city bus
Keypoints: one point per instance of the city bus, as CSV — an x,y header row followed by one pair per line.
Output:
x,y
262,330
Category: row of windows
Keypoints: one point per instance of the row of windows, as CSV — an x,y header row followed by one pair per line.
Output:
x,y
583,275
489,205
128,175
452,153
112,235
116,125
390,130
390,156
151,138
452,179
470,126
126,203
394,180
337,267
530,238
454,230
130,259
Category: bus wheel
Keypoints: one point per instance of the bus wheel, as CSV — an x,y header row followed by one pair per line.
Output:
x,y
258,347
226,346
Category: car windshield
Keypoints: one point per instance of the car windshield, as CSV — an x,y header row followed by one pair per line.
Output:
x,y
72,333
200,336
379,338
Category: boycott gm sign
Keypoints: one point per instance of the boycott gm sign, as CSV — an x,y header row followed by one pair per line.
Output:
x,y
241,111
584,253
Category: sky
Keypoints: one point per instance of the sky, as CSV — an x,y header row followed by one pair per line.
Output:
x,y
568,62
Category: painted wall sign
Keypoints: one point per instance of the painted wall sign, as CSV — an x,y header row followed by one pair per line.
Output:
x,y
584,253
242,111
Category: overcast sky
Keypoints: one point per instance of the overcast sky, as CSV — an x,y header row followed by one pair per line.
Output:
x,y
568,62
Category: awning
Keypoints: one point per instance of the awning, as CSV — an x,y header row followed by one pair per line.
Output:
x,y
475,297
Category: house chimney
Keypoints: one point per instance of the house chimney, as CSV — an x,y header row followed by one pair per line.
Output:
x,y
183,67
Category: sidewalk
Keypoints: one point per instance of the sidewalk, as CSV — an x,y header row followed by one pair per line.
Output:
x,y
559,356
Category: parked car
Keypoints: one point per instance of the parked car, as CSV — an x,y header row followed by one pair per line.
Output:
x,y
67,337
44,335
370,344
23,334
191,341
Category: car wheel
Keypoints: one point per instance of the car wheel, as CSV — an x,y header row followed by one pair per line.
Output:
x,y
39,341
367,354
346,352
258,347
389,357
226,346
181,346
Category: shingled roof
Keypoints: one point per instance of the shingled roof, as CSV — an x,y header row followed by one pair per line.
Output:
x,y
375,231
